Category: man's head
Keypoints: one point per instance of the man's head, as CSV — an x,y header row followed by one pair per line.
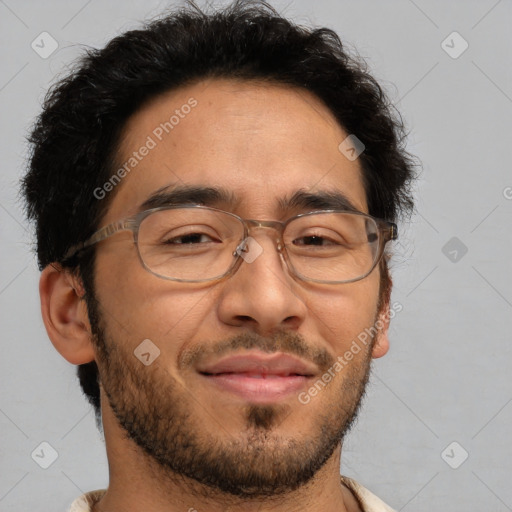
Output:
x,y
244,112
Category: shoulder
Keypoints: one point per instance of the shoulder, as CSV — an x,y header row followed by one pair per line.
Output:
x,y
368,501
86,501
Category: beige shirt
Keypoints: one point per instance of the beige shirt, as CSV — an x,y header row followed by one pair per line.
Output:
x,y
367,501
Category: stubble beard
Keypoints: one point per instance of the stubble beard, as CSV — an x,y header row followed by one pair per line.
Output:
x,y
160,416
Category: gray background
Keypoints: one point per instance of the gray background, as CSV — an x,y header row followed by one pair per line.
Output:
x,y
447,376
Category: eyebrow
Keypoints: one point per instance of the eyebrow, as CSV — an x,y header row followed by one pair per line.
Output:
x,y
215,197
321,200
172,195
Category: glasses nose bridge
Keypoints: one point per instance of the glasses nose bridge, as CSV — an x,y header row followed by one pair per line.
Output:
x,y
275,225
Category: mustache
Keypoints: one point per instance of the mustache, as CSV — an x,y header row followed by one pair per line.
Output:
x,y
279,341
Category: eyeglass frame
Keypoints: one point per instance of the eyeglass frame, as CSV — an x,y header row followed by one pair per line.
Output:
x,y
387,231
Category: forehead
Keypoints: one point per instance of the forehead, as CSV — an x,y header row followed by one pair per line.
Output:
x,y
260,142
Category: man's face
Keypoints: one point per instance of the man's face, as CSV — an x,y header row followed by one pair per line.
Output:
x,y
263,144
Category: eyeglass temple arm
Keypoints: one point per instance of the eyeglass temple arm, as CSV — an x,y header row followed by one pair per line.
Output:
x,y
391,231
100,235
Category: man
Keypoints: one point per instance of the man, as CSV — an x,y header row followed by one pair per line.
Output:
x,y
213,196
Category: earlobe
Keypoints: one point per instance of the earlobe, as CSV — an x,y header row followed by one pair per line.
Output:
x,y
65,314
381,345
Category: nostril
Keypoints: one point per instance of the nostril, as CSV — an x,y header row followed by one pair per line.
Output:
x,y
245,318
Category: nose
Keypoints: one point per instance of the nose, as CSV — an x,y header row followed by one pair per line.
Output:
x,y
262,295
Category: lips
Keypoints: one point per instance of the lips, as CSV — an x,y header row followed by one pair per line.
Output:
x,y
259,377
254,364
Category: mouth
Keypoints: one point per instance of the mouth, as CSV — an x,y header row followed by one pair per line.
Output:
x,y
258,377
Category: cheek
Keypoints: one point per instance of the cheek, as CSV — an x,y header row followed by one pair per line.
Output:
x,y
137,305
341,317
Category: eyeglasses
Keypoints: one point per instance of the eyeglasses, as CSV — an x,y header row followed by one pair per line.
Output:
x,y
194,243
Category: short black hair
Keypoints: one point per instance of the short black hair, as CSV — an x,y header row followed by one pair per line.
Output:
x,y
75,138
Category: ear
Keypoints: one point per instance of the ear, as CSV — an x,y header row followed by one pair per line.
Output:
x,y
65,314
381,343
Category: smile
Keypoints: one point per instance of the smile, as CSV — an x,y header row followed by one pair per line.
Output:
x,y
259,377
